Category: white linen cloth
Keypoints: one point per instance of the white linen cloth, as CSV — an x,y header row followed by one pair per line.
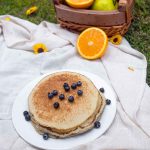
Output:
x,y
19,66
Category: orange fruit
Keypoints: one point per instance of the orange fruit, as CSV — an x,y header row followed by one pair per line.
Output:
x,y
80,3
92,43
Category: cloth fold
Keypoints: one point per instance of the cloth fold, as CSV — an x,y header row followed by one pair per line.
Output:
x,y
19,66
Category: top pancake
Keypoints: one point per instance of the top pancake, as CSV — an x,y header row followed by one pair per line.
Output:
x,y
68,115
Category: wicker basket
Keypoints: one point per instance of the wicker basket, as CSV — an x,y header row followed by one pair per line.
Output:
x,y
112,22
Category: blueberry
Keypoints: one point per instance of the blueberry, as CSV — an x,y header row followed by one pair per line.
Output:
x,y
56,105
65,84
71,99
108,101
102,90
25,113
55,92
79,92
45,136
79,83
67,88
50,95
61,96
73,86
97,124
27,117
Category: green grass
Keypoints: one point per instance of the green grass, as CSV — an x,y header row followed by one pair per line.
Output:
x,y
138,34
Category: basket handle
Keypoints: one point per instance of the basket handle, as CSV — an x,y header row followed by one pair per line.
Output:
x,y
124,7
56,2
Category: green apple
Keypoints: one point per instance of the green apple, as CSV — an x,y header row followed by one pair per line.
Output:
x,y
104,5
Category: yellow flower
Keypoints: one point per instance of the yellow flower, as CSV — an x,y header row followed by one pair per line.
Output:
x,y
7,19
31,10
39,48
116,39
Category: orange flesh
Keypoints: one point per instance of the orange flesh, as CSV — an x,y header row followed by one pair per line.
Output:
x,y
91,42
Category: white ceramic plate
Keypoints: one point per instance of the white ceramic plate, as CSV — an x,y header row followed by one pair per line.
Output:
x,y
28,133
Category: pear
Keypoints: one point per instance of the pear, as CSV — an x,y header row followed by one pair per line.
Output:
x,y
105,5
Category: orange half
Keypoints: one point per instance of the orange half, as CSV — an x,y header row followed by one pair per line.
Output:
x,y
92,43
80,3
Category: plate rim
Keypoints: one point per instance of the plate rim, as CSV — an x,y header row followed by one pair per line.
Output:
x,y
37,79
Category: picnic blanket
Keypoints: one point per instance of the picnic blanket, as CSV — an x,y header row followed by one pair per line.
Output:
x,y
123,67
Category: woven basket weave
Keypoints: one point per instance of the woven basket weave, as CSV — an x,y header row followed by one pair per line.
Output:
x,y
112,22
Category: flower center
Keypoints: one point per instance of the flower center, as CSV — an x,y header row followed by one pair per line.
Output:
x,y
115,40
40,50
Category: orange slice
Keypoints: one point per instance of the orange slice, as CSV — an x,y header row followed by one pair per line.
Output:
x,y
80,3
92,43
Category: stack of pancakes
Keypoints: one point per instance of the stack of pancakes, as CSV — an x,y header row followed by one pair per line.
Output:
x,y
70,118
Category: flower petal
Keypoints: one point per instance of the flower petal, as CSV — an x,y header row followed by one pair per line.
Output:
x,y
37,46
31,10
7,19
116,39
